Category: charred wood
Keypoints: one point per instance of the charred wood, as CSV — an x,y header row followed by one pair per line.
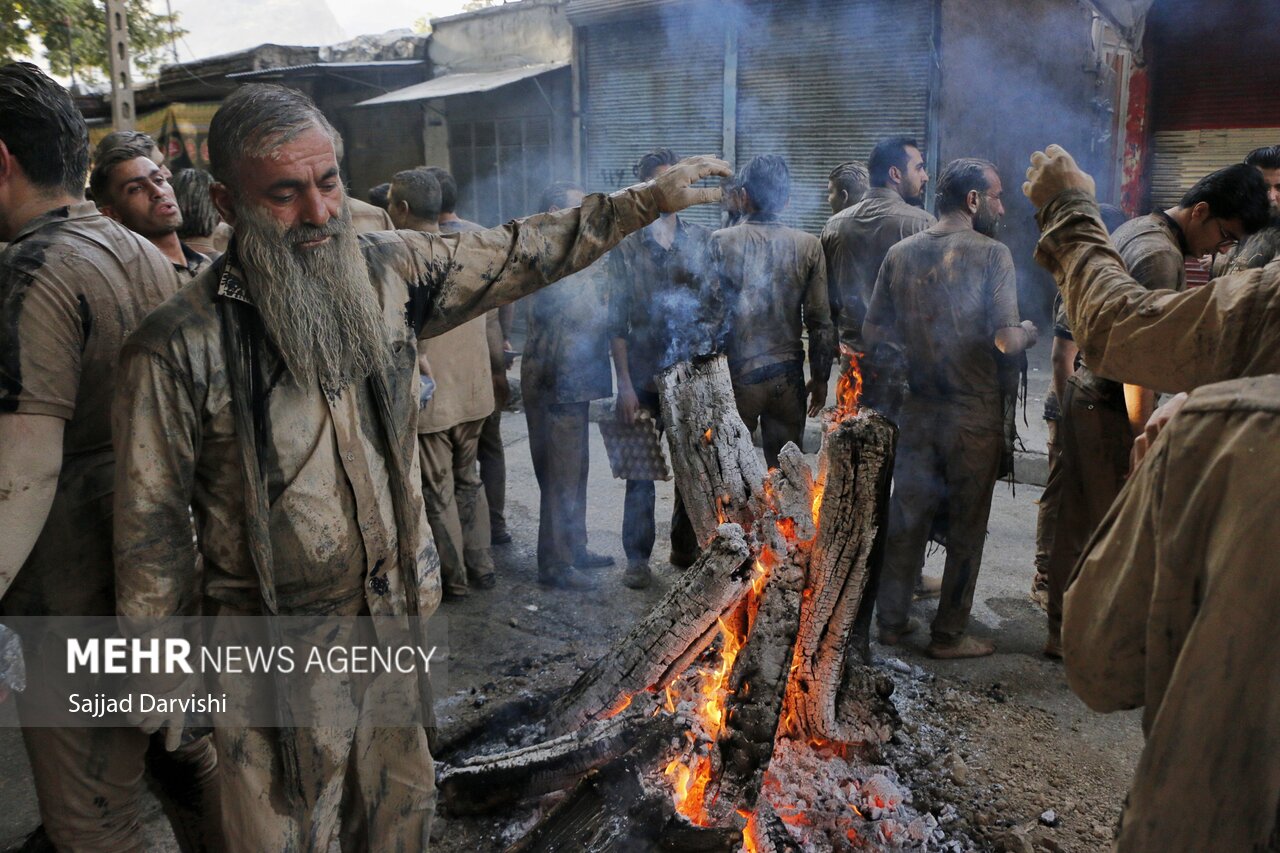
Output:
x,y
487,782
662,644
717,468
855,470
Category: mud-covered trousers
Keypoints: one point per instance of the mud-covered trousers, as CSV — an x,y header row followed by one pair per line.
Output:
x,y
1096,439
775,403
455,501
639,530
89,780
947,465
493,471
558,442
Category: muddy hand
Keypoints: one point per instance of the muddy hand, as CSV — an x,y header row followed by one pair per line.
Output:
x,y
674,190
817,396
1052,171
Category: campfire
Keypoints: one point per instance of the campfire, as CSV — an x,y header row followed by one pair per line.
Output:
x,y
730,717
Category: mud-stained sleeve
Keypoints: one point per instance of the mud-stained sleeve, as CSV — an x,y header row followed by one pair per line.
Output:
x,y
155,430
1155,268
618,293
1163,340
43,328
1004,290
817,317
831,249
1105,615
880,311
454,277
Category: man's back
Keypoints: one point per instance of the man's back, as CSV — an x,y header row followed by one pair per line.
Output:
x,y
773,280
566,357
945,293
1152,252
855,241
73,285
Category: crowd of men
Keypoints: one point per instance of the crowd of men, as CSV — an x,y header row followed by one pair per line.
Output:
x,y
315,383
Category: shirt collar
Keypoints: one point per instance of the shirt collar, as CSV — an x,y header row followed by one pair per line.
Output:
x,y
647,235
79,210
195,260
1178,233
231,281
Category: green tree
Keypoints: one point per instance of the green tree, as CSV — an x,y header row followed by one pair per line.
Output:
x,y
70,31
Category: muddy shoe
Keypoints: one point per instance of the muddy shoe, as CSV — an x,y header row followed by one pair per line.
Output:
x,y
893,636
637,575
927,587
965,647
1040,590
682,561
1053,647
500,537
588,560
453,593
565,578
485,581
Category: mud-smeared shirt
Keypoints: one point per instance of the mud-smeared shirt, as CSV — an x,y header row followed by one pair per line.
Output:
x,y
1165,340
663,301
1172,609
566,350
460,366
73,285
1152,250
774,284
331,528
855,242
944,294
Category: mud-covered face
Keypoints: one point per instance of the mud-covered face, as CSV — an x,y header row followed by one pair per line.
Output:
x,y
986,220
914,178
141,198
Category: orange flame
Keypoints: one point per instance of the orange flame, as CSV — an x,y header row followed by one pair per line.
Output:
x,y
708,435
623,704
817,502
750,833
849,387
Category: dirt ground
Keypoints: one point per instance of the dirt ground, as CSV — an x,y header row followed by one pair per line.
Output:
x,y
1000,740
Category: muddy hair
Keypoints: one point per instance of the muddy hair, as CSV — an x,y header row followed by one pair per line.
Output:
x,y
959,178
767,181
420,190
448,188
106,159
557,195
199,216
42,129
852,177
649,163
254,121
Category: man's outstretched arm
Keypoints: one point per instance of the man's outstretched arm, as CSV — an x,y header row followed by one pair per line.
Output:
x,y
456,277
1161,339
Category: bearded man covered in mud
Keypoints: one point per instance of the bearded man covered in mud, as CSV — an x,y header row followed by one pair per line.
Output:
x,y
276,396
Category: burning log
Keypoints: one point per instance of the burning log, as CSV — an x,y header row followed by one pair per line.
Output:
x,y
662,645
757,685
856,466
784,514
716,466
766,833
486,782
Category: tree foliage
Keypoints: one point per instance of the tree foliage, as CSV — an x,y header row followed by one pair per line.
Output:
x,y
60,30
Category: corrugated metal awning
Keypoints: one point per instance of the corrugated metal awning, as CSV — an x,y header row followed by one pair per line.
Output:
x,y
322,67
584,12
1128,16
462,84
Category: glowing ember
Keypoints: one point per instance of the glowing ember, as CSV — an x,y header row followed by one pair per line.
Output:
x,y
622,705
708,435
817,502
849,387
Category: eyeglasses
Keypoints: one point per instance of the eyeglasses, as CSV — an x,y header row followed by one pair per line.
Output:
x,y
1228,239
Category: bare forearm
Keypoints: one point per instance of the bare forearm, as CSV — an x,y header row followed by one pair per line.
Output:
x,y
30,461
1139,403
621,369
1063,356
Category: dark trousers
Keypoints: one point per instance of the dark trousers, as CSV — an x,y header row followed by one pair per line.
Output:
x,y
1096,440
493,471
777,406
1050,498
558,442
948,461
639,530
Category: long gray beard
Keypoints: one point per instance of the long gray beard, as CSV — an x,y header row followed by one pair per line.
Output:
x,y
318,305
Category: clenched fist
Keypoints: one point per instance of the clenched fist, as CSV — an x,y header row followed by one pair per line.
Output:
x,y
674,188
1052,171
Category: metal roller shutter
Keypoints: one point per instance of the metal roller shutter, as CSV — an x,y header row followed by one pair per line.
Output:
x,y
649,82
820,81
1214,84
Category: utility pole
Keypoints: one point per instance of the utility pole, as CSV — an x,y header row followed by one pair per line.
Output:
x,y
122,113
